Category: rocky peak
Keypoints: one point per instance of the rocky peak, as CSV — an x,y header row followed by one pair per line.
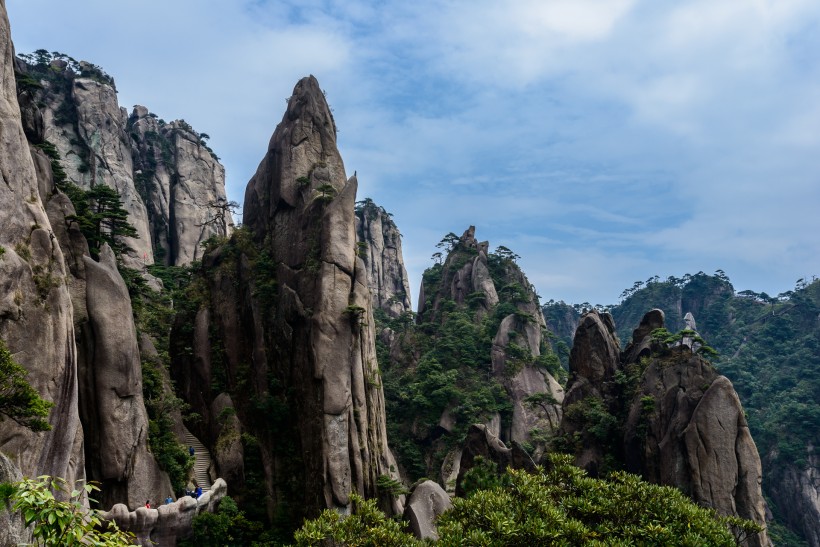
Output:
x,y
182,184
310,346
663,412
379,243
491,286
170,182
302,163
595,353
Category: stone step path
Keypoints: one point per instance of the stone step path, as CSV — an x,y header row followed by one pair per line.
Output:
x,y
202,463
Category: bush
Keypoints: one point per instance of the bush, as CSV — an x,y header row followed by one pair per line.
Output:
x,y
559,506
227,526
62,523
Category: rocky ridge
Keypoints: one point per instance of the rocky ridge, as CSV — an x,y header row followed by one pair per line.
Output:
x,y
764,344
665,413
169,181
475,354
519,338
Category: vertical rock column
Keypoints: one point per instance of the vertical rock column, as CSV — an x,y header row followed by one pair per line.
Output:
x,y
300,208
115,412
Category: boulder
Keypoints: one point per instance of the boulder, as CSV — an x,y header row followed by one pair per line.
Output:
x,y
427,501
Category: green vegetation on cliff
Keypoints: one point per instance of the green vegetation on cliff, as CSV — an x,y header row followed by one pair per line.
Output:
x,y
438,374
18,400
58,516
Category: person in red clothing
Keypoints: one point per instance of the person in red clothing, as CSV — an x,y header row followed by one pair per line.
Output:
x,y
147,504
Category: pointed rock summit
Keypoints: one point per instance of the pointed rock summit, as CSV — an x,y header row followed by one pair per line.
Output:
x,y
290,303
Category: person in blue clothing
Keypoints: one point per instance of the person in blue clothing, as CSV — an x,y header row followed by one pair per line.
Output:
x,y
198,492
191,451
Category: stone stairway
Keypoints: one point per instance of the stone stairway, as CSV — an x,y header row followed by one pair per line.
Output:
x,y
202,463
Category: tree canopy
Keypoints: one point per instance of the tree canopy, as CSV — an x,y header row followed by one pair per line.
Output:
x,y
558,505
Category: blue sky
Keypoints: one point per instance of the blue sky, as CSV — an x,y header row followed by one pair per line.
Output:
x,y
603,141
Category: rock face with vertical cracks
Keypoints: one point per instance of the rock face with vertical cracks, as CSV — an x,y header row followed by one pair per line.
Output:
x,y
593,363
36,317
168,179
380,248
663,412
291,308
112,391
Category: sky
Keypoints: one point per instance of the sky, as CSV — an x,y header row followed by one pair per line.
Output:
x,y
603,141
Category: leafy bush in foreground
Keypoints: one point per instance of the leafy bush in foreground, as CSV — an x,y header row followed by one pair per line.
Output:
x,y
557,506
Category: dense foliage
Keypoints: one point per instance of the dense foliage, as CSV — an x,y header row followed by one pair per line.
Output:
x,y
59,523
559,505
227,526
101,217
18,400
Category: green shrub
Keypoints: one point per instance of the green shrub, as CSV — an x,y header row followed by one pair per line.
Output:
x,y
18,400
62,523
560,505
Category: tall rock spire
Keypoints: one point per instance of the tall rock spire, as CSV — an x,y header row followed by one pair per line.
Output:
x,y
310,342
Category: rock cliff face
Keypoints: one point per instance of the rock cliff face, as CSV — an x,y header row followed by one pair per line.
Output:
x,y
290,308
763,346
36,316
380,248
594,361
181,182
665,413
112,408
65,317
796,490
169,181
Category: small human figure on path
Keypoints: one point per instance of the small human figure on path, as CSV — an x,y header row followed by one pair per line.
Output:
x,y
198,492
169,500
147,504
191,451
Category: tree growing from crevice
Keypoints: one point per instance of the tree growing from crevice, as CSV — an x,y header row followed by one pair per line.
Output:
x,y
101,218
18,400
